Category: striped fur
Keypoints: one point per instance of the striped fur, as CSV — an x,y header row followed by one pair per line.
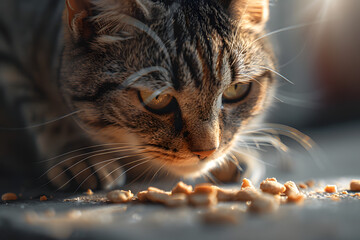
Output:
x,y
193,50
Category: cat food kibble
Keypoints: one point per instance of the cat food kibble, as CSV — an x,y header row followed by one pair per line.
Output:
x,y
226,195
330,189
182,188
303,186
89,192
310,183
43,198
291,188
247,194
355,185
177,200
264,203
157,196
267,200
120,196
271,186
141,196
9,197
292,192
204,195
246,183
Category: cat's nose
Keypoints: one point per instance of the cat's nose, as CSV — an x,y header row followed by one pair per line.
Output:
x,y
204,154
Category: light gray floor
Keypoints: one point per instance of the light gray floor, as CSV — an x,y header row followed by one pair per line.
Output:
x,y
318,218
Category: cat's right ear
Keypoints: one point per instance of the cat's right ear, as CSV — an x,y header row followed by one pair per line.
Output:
x,y
78,12
253,13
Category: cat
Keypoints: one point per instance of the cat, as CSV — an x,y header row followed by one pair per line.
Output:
x,y
145,87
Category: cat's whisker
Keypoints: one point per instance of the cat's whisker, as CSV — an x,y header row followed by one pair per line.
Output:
x,y
83,170
98,153
42,124
293,27
305,141
155,94
235,161
81,149
277,73
143,72
147,170
110,161
137,165
153,177
212,179
252,157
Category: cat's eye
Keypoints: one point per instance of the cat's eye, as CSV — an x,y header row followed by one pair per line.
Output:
x,y
155,102
236,92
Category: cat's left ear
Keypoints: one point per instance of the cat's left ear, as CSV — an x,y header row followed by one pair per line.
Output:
x,y
253,13
77,12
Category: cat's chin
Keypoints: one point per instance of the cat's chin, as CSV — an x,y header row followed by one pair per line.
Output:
x,y
192,171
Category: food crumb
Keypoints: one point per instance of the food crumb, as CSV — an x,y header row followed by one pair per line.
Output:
x,y
310,183
355,185
9,197
330,189
120,196
89,192
344,192
270,185
43,198
303,186
246,183
264,203
182,188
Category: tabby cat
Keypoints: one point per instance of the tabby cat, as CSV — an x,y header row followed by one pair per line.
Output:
x,y
142,87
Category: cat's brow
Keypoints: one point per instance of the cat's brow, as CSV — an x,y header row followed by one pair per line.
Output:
x,y
244,78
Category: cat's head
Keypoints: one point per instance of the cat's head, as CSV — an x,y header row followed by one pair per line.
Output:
x,y
179,80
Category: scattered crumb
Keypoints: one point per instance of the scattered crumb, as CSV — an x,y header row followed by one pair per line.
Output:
x,y
246,183
344,192
157,196
89,192
303,186
310,183
293,194
355,185
264,203
330,189
9,197
43,198
226,195
203,199
177,200
270,185
247,194
141,196
120,196
182,188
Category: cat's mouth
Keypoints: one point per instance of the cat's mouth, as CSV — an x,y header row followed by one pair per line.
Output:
x,y
187,167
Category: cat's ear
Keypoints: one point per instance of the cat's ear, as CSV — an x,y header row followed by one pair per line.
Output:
x,y
77,13
254,13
